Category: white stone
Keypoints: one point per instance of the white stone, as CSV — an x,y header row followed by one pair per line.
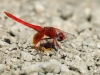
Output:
x,y
98,44
14,60
67,12
51,66
95,17
49,74
15,72
34,73
41,73
39,7
92,44
32,69
2,67
56,74
57,69
26,56
78,63
87,12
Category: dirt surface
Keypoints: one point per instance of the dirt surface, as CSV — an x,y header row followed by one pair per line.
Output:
x,y
80,56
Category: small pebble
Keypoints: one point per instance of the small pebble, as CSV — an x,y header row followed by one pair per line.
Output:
x,y
2,67
26,56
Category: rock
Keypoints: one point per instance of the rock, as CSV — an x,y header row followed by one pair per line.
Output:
x,y
57,22
14,30
41,73
87,12
14,60
97,72
15,72
8,68
66,13
26,56
14,67
98,44
38,57
35,73
39,8
52,66
81,67
57,70
95,18
6,73
49,74
56,74
64,70
2,67
45,58
84,26
32,69
92,44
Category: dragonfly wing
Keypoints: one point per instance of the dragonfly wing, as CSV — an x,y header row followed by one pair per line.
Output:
x,y
66,36
69,36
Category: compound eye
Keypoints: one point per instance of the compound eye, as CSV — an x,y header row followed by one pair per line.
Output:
x,y
60,36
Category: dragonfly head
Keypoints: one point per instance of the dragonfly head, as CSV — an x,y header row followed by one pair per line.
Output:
x,y
60,36
64,36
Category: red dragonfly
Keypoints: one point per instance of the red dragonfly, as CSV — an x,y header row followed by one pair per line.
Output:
x,y
46,38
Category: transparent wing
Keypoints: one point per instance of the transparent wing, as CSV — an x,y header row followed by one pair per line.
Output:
x,y
68,36
68,40
64,38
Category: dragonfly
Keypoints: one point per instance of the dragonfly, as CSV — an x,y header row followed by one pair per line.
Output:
x,y
46,38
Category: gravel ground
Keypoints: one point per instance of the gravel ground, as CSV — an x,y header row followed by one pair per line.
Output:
x,y
80,56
